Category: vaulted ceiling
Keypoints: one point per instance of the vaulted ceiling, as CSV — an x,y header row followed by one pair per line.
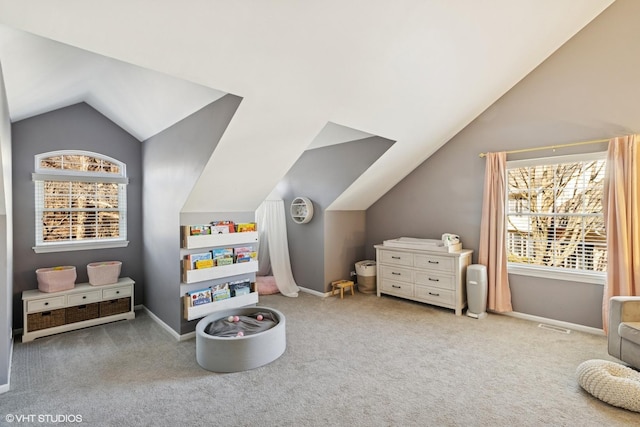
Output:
x,y
412,71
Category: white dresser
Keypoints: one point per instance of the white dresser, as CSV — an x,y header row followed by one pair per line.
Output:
x,y
432,277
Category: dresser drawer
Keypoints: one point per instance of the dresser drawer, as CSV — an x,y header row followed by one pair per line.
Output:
x,y
397,288
113,293
46,303
84,298
396,273
437,280
435,296
434,262
397,258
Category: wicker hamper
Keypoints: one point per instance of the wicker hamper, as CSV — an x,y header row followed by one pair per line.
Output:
x,y
116,306
79,313
45,319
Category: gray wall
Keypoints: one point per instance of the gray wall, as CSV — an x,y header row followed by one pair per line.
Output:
x,y
78,127
172,162
345,238
322,174
586,90
6,239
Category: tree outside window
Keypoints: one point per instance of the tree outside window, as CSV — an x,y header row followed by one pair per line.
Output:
x,y
80,199
555,214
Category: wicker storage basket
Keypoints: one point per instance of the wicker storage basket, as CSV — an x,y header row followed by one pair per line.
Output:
x,y
79,313
116,306
45,319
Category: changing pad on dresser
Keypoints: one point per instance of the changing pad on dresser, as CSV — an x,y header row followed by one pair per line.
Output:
x,y
422,244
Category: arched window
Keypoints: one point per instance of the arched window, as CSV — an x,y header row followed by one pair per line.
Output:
x,y
80,201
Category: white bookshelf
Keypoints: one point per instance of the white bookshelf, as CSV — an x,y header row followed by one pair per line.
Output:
x,y
218,274
216,240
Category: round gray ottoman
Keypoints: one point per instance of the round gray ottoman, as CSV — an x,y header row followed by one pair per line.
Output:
x,y
234,354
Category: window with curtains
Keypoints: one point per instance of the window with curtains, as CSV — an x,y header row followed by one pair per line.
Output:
x,y
80,201
555,216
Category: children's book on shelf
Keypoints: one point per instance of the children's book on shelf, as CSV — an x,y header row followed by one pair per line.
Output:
x,y
204,263
244,254
219,229
229,224
222,256
191,260
220,292
240,287
199,297
242,227
198,230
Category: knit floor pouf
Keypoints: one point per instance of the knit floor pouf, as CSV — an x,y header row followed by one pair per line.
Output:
x,y
611,382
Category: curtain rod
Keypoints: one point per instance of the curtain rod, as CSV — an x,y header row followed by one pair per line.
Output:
x,y
571,144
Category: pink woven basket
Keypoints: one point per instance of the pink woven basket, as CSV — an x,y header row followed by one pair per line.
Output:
x,y
56,279
104,273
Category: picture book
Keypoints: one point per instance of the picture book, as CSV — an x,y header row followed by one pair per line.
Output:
x,y
197,230
220,292
229,224
192,259
222,256
218,253
244,254
240,287
204,263
219,229
199,297
246,226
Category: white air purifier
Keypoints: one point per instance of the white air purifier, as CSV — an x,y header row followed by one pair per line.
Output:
x,y
477,291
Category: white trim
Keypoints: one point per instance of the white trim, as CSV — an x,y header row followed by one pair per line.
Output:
x,y
560,323
67,247
316,293
76,177
161,323
570,158
39,157
6,387
595,278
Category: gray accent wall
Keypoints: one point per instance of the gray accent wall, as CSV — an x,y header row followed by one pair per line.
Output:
x,y
586,90
345,238
77,127
172,162
6,240
322,174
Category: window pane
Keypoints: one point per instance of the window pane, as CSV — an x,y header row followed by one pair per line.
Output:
x,y
554,216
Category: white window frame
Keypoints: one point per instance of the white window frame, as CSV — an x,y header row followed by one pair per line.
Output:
x,y
597,278
41,175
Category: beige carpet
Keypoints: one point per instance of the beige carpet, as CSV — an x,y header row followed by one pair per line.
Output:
x,y
361,361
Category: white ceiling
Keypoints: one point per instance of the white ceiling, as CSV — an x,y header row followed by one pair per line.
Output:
x,y
412,71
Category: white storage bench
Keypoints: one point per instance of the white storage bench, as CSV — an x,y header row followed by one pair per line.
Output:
x,y
48,313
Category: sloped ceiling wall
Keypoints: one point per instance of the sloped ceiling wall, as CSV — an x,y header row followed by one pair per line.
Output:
x,y
411,71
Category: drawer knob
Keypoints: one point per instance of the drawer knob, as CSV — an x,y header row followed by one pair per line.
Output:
x,y
434,262
434,294
396,274
46,303
84,297
434,280
396,286
117,292
395,257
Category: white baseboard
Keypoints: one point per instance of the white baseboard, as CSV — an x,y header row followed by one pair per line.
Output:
x,y
6,387
316,293
559,323
159,321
